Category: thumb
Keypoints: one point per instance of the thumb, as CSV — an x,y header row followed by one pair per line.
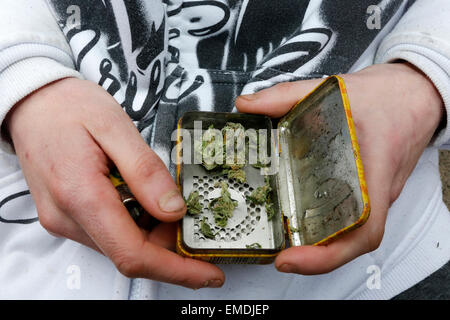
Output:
x,y
276,101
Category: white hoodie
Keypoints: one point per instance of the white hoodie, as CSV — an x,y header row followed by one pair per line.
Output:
x,y
157,83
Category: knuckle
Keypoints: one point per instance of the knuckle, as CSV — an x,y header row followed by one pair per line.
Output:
x,y
374,245
375,239
91,198
103,124
285,87
71,195
182,278
62,188
49,222
146,166
63,195
127,263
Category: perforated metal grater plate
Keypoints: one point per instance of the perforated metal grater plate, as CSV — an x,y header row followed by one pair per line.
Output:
x,y
247,226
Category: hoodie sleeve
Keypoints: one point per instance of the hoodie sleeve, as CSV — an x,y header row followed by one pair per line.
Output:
x,y
33,53
422,37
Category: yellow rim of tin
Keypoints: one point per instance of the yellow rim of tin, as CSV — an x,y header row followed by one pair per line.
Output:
x,y
364,192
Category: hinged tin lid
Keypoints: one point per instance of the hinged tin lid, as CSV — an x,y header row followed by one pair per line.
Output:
x,y
321,180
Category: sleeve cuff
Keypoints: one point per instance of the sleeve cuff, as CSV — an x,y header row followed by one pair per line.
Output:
x,y
432,63
24,77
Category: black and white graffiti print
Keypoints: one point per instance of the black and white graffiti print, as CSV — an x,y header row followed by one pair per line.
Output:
x,y
161,58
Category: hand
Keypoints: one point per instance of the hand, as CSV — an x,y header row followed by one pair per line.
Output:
x,y
396,111
65,136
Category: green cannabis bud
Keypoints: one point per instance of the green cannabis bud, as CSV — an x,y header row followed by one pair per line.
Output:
x,y
194,207
255,245
205,229
217,154
269,210
211,148
261,196
234,146
237,175
223,206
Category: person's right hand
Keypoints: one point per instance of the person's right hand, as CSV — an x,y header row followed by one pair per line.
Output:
x,y
65,136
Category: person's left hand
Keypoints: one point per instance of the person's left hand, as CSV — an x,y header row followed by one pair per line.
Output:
x,y
396,110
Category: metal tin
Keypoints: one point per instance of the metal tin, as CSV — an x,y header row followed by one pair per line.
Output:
x,y
318,189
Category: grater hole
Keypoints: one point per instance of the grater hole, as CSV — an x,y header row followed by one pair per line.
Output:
x,y
206,185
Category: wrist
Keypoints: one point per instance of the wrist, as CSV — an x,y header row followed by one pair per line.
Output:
x,y
425,99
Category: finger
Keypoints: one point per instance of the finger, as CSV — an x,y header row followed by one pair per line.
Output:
x,y
277,100
57,224
163,235
144,172
107,222
309,260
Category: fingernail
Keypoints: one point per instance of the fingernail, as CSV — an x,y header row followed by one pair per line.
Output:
x,y
249,97
212,284
286,268
172,201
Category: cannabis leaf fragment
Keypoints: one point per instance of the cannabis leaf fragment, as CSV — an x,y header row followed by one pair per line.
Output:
x,y
223,206
194,207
